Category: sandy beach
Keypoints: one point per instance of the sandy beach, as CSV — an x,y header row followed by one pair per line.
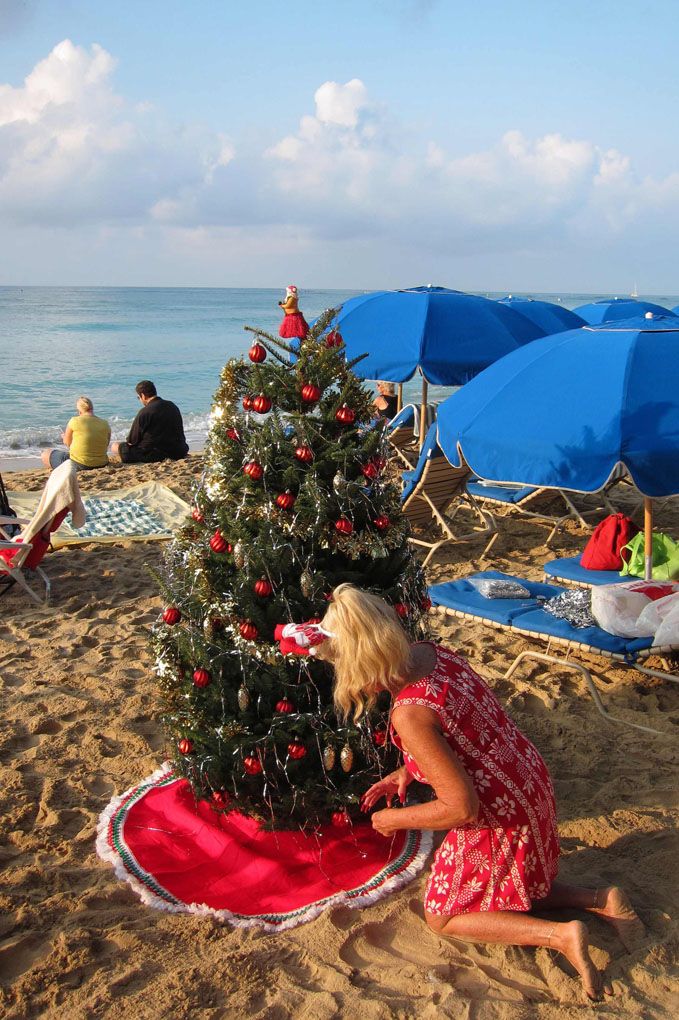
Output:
x,y
79,725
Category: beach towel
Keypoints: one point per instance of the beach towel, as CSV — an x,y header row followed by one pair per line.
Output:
x,y
184,856
145,512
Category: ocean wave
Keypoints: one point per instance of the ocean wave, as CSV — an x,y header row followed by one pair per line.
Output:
x,y
19,443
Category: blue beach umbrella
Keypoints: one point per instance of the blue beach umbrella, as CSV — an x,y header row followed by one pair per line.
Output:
x,y
563,411
550,317
615,309
446,335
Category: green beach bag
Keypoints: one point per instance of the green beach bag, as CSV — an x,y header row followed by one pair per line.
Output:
x,y
665,557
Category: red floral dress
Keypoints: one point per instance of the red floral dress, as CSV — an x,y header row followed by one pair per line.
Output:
x,y
510,856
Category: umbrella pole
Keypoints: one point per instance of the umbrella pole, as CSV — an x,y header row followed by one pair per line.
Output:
x,y
423,411
399,399
648,538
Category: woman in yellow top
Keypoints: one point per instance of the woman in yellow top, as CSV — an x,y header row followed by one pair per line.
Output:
x,y
87,438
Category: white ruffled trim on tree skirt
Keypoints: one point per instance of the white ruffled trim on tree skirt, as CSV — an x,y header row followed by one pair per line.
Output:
x,y
355,901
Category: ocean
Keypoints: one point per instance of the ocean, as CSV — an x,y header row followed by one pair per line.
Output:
x,y
62,342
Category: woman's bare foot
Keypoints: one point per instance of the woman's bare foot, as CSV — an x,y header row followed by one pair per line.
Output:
x,y
619,912
573,942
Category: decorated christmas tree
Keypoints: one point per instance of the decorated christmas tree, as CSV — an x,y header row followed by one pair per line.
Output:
x,y
296,498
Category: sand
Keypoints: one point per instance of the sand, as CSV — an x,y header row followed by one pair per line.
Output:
x,y
78,725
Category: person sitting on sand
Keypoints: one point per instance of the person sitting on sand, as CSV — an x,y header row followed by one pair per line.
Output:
x,y
386,401
493,795
157,432
87,438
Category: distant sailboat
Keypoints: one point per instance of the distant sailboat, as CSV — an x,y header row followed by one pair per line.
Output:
x,y
635,292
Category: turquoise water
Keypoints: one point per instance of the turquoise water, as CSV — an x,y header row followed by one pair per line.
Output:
x,y
99,341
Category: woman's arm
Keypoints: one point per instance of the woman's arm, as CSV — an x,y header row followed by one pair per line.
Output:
x,y
67,436
456,801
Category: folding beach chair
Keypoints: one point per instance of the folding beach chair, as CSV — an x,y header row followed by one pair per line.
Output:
x,y
27,550
522,498
527,617
402,433
428,492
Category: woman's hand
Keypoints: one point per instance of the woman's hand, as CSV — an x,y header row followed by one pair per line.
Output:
x,y
387,822
395,784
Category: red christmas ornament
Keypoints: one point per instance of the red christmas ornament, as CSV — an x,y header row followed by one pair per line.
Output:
x,y
297,750
305,454
257,353
252,765
247,403
197,515
346,415
344,526
220,798
233,434
340,819
426,603
201,677
253,470
402,609
334,339
218,543
369,470
185,745
310,393
261,404
382,522
285,500
171,616
263,588
285,706
248,631
380,737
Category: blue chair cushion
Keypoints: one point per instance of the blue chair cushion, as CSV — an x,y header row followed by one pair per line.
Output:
x,y
500,493
527,614
570,569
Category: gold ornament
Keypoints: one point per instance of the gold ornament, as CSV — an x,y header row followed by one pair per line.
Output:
x,y
346,758
329,757
306,583
239,555
243,699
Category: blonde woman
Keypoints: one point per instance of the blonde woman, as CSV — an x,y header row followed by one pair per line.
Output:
x,y
386,401
491,789
87,438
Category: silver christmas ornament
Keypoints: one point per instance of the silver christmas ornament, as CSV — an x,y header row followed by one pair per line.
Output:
x,y
243,699
329,757
339,483
306,583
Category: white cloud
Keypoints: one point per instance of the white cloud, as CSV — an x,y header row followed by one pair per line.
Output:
x,y
74,152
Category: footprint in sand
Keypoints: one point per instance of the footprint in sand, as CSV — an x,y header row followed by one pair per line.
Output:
x,y
19,953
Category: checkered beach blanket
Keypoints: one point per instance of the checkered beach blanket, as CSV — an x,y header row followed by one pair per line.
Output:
x,y
146,512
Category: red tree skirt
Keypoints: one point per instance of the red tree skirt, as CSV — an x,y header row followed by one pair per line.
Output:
x,y
180,855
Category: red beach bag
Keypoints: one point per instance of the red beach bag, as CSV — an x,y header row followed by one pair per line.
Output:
x,y
604,549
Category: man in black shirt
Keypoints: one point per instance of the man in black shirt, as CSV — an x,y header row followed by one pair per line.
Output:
x,y
157,432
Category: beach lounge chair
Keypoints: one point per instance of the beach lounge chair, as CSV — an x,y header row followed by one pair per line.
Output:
x,y
568,570
27,550
402,433
428,492
523,499
527,617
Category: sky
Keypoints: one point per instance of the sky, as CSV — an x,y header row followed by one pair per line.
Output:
x,y
522,147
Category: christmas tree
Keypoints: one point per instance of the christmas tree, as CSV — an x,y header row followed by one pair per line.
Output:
x,y
296,498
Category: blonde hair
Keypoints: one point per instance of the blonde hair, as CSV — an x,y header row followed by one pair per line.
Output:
x,y
369,649
387,387
84,404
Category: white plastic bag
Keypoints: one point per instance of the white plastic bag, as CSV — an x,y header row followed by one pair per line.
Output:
x,y
617,610
662,617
